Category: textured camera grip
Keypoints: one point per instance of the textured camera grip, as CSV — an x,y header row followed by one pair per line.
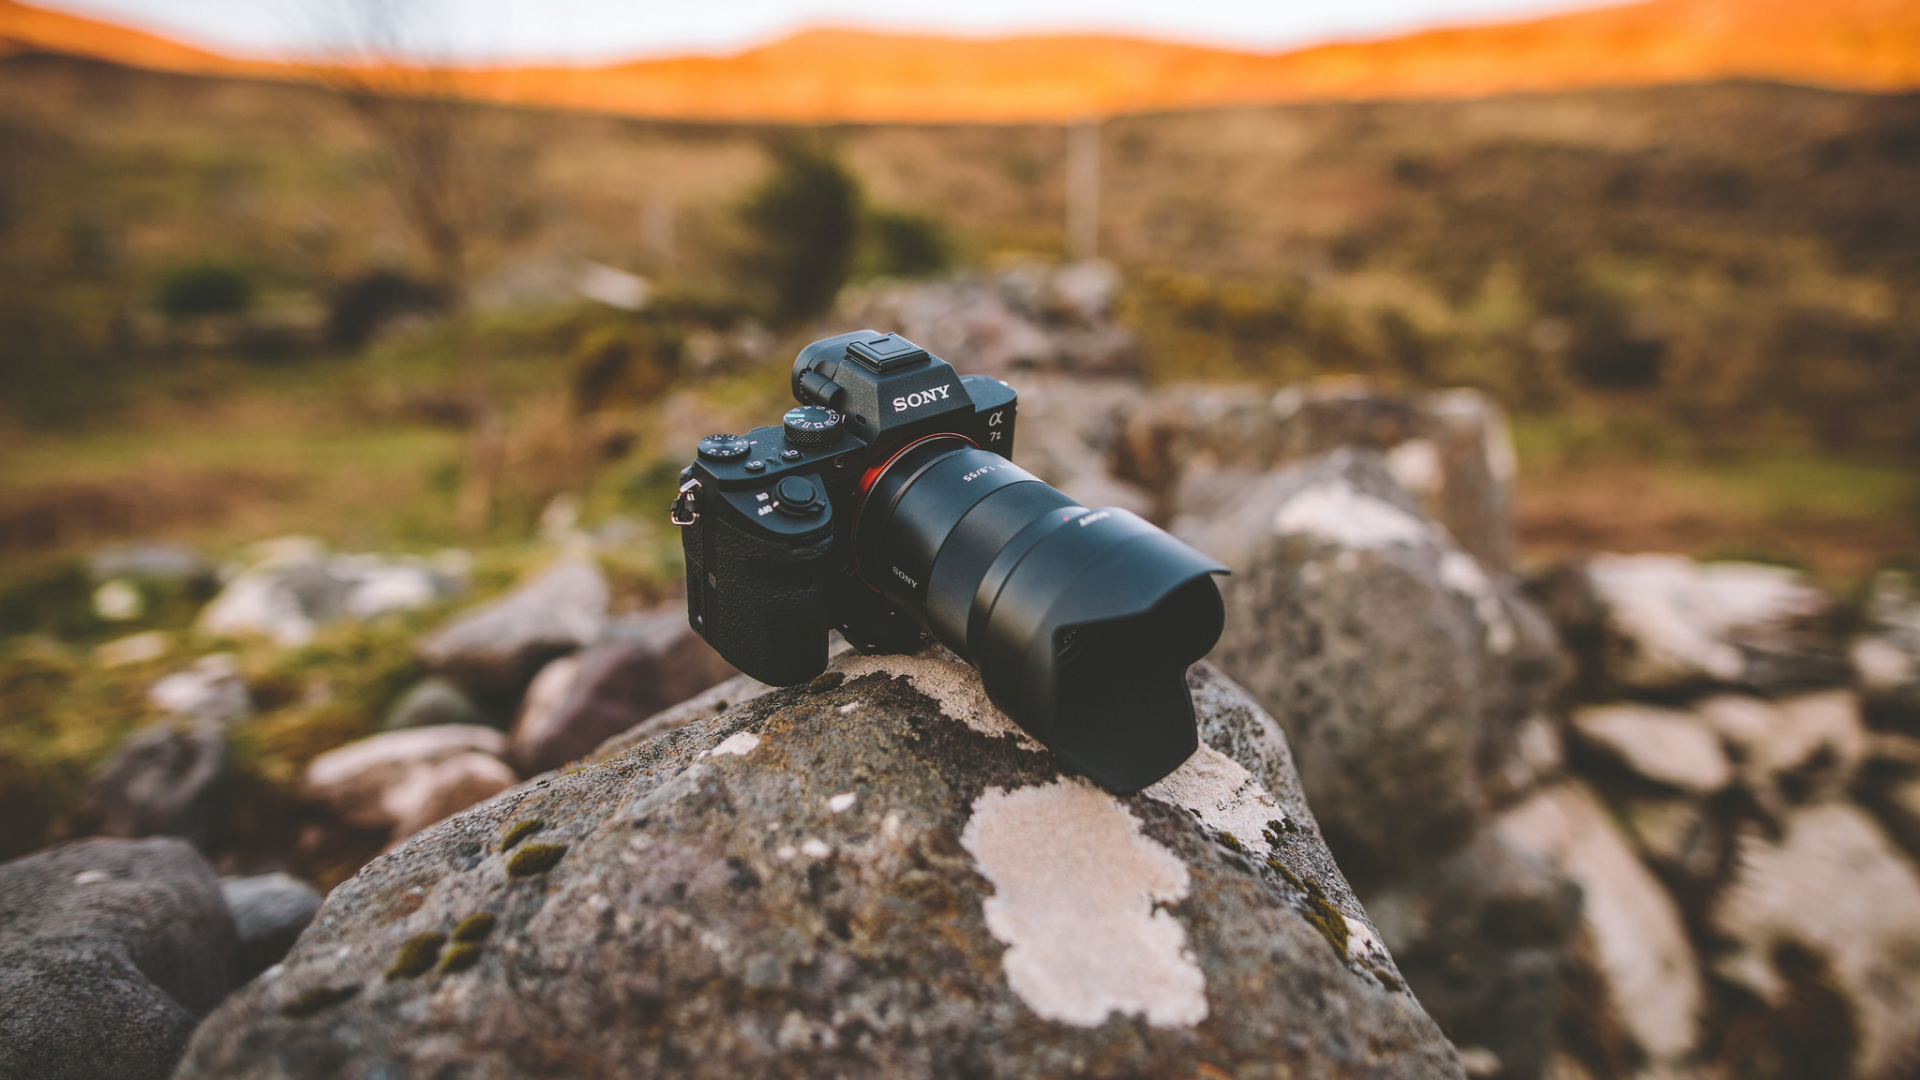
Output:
x,y
762,605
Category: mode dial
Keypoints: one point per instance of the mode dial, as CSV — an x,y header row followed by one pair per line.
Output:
x,y
811,425
723,447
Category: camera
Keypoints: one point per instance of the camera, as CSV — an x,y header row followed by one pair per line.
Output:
x,y
886,504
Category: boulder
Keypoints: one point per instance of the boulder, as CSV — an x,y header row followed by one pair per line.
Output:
x,y
1666,746
434,701
1482,939
1796,747
495,650
269,911
1402,672
158,561
1886,656
873,875
110,951
164,780
407,780
141,648
1671,625
1642,966
294,587
647,663
1834,895
1195,448
212,691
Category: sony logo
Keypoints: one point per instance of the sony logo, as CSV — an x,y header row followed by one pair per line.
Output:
x,y
921,397
1098,515
902,575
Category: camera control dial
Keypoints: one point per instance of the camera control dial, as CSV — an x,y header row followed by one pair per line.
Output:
x,y
811,425
723,447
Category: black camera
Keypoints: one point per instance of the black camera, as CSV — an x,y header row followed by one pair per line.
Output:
x,y
886,505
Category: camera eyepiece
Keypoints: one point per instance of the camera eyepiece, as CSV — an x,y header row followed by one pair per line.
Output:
x,y
887,504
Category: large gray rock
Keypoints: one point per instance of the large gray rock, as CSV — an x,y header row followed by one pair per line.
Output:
x,y
269,911
874,875
212,690
406,780
495,650
169,779
294,587
433,701
110,951
647,663
1401,670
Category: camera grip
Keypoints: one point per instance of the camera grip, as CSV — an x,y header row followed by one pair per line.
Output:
x,y
762,605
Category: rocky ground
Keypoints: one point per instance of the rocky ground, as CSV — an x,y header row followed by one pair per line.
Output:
x,y
1629,815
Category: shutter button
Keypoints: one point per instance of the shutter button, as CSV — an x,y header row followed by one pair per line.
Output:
x,y
799,497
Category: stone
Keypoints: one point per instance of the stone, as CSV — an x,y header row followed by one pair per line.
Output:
x,y
1666,746
269,911
577,702
294,587
407,780
164,780
1886,656
873,875
1673,624
495,650
434,701
1193,446
1796,747
1643,961
1402,672
1834,889
1482,938
110,951
149,560
141,648
211,690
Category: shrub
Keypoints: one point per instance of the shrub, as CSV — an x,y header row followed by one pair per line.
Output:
x,y
803,219
904,244
204,289
360,304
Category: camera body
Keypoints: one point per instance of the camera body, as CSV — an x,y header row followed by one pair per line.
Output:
x,y
769,517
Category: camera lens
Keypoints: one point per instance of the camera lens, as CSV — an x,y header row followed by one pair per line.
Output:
x,y
1082,622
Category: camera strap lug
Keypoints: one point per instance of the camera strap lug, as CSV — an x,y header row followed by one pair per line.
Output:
x,y
686,507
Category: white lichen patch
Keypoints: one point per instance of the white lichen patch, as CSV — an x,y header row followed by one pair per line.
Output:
x,y
952,684
740,743
842,802
1076,892
1364,949
1416,464
1337,512
1461,573
815,849
1223,795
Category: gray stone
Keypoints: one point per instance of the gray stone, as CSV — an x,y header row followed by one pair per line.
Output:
x,y
1793,748
434,701
875,875
293,587
1886,657
1642,964
165,780
109,952
647,663
1672,624
1833,888
1402,672
1669,747
406,780
495,650
1482,939
269,911
212,691
150,560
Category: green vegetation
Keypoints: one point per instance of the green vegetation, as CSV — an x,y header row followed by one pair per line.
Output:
x,y
417,956
520,831
803,219
535,859
204,289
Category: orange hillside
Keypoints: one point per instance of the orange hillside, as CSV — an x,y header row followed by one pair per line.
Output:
x,y
859,76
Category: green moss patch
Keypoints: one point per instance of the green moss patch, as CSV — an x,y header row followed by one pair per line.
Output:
x,y
474,928
462,956
519,831
417,956
535,859
318,1000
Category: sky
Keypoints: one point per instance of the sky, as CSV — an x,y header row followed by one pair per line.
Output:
x,y
597,30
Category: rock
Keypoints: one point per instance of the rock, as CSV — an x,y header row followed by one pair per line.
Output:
x,y
151,561
1886,657
269,911
578,702
1482,938
1796,747
109,952
1193,446
407,780
1643,963
435,701
1673,624
294,587
1833,889
1687,841
1401,671
875,875
711,702
1665,746
495,650
118,601
211,690
142,648
165,780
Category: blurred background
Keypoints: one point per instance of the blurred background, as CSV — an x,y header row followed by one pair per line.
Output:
x,y
321,321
